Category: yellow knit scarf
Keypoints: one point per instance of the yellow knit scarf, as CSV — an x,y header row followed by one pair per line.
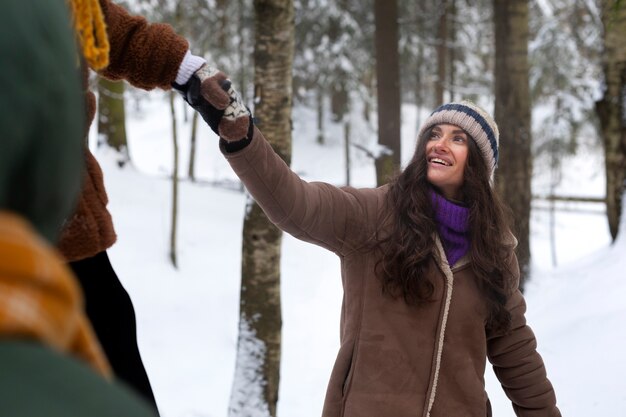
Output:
x,y
90,27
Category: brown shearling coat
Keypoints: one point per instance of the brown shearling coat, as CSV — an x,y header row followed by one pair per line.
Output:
x,y
397,360
148,56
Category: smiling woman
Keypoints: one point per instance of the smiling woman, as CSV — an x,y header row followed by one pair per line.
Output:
x,y
429,273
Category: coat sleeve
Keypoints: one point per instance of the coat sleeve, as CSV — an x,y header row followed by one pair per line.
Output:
x,y
145,54
518,365
338,219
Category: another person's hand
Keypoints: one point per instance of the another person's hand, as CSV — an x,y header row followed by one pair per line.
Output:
x,y
210,92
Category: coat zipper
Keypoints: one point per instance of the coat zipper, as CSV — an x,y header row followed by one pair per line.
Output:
x,y
445,267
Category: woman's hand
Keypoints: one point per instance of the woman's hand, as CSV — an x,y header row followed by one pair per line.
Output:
x,y
210,92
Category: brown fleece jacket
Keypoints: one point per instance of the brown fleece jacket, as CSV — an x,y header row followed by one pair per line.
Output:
x,y
148,56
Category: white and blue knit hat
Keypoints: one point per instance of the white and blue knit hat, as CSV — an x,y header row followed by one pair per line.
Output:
x,y
475,121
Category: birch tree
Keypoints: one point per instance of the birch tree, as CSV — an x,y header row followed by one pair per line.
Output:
x,y
255,386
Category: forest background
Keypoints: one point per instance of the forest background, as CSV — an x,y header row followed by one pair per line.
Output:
x,y
553,71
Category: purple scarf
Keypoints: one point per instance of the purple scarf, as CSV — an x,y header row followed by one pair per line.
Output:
x,y
452,225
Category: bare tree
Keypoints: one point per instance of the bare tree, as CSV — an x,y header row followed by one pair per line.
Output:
x,y
257,372
112,117
512,113
388,88
611,108
191,173
442,52
451,12
174,228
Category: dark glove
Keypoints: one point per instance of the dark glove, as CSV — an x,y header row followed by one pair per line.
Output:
x,y
191,94
210,93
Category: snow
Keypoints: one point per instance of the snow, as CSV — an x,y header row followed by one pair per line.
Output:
x,y
188,317
248,385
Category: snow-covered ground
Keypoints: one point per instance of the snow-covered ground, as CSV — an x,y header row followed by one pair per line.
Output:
x,y
188,317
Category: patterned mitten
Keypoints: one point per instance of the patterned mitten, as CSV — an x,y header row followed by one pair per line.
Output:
x,y
191,94
210,92
237,121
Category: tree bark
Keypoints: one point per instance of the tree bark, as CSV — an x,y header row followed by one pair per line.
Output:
x,y
346,142
242,52
173,232
512,113
611,109
442,55
255,390
192,147
112,116
320,115
419,70
451,45
221,8
339,97
388,88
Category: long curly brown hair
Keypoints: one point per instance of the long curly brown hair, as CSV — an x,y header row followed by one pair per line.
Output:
x,y
409,246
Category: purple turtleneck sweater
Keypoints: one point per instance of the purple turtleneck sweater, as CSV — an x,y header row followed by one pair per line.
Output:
x,y
452,225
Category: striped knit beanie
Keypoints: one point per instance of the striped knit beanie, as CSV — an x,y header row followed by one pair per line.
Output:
x,y
473,120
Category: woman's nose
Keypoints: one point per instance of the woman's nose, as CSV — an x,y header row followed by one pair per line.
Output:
x,y
440,145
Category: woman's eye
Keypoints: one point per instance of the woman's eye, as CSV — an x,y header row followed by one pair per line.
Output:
x,y
459,139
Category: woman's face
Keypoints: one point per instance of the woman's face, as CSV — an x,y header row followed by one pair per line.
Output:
x,y
446,156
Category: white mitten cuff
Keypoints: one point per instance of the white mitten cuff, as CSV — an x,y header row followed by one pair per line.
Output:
x,y
191,63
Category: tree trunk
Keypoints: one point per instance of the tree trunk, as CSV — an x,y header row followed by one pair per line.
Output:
x,y
242,52
388,88
611,109
112,117
320,115
419,83
419,101
346,142
442,55
451,45
221,7
368,83
192,148
512,113
255,388
339,98
173,233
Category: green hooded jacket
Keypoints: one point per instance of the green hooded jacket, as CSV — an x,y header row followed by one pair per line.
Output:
x,y
41,113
